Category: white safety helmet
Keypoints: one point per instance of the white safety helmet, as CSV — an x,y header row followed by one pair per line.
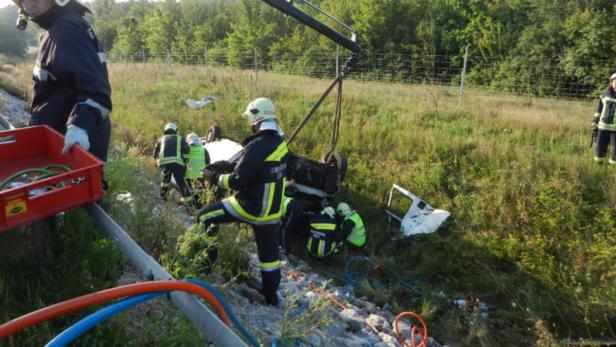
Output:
x,y
171,127
613,77
194,139
343,209
259,110
329,211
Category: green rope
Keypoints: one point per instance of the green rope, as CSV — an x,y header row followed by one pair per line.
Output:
x,y
45,172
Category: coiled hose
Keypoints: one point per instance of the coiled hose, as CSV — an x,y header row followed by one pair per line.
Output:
x,y
44,172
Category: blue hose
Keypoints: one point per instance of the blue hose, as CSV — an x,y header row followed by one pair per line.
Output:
x,y
354,278
302,306
228,310
349,277
85,324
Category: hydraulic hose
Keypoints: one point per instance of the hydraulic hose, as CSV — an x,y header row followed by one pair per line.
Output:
x,y
354,278
423,332
44,172
72,305
349,277
82,326
85,324
228,310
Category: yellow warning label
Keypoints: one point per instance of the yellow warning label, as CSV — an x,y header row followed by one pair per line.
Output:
x,y
15,207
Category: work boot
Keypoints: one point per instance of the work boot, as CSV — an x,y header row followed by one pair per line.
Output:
x,y
197,204
274,299
212,253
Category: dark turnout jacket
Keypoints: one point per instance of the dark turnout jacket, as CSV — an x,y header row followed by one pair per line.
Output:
x,y
606,110
259,178
71,82
171,149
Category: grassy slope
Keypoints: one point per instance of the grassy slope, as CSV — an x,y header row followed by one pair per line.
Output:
x,y
533,231
534,226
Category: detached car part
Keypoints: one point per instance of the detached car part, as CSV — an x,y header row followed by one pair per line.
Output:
x,y
420,218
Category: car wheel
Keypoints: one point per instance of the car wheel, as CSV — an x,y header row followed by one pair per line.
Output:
x,y
214,133
339,161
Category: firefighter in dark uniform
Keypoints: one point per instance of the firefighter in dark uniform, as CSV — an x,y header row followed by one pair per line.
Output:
x,y
324,233
292,211
352,228
604,121
71,87
170,153
259,179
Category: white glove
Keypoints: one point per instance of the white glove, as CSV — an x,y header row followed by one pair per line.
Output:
x,y
75,136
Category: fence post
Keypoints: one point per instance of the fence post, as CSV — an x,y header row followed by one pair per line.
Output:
x,y
205,58
337,60
256,70
143,55
463,73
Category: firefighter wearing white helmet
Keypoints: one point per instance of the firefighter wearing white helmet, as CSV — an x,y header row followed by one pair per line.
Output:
x,y
352,228
71,92
324,233
170,152
170,128
604,124
261,113
259,179
260,109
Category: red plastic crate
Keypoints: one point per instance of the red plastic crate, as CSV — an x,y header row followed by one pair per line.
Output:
x,y
36,147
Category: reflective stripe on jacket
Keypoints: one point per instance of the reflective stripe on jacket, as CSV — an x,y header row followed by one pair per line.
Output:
x,y
196,162
170,150
71,84
606,111
357,237
259,178
323,236
285,204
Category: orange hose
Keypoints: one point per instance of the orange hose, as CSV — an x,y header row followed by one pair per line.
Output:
x,y
414,329
74,304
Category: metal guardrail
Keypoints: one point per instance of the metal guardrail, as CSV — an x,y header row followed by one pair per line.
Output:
x,y
212,328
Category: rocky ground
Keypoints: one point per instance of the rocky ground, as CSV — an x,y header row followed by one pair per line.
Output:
x,y
13,109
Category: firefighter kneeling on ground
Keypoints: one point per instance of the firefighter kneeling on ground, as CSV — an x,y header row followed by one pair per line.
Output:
x,y
196,160
604,123
324,233
259,178
352,228
169,152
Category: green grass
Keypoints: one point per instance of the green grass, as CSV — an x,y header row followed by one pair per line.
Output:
x,y
77,260
533,230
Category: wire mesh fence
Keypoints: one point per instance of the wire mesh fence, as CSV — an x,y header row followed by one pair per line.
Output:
x,y
541,78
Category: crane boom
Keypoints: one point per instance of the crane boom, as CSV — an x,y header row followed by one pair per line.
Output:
x,y
287,8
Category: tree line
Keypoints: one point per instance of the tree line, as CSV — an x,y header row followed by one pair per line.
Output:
x,y
535,46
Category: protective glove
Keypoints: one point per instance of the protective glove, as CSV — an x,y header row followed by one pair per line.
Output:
x,y
75,136
210,177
